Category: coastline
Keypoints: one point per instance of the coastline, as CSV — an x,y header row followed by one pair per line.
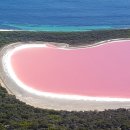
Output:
x,y
60,29
56,28
53,102
6,30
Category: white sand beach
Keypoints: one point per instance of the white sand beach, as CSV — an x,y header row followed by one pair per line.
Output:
x,y
6,30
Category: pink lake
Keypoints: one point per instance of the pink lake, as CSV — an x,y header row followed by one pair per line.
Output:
x,y
100,71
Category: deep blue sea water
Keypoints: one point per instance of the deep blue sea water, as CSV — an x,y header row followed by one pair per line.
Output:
x,y
64,15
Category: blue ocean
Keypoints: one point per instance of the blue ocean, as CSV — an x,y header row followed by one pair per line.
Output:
x,y
64,15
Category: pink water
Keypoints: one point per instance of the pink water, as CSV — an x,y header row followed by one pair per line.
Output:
x,y
102,71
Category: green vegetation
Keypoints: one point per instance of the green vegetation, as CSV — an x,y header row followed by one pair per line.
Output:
x,y
74,38
16,115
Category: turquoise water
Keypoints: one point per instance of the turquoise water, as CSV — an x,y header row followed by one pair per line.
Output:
x,y
58,28
64,15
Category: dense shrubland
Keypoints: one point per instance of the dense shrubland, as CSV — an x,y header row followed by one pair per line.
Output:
x,y
16,115
74,38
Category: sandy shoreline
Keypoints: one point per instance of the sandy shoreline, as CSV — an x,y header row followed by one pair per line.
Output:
x,y
52,102
6,30
11,30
